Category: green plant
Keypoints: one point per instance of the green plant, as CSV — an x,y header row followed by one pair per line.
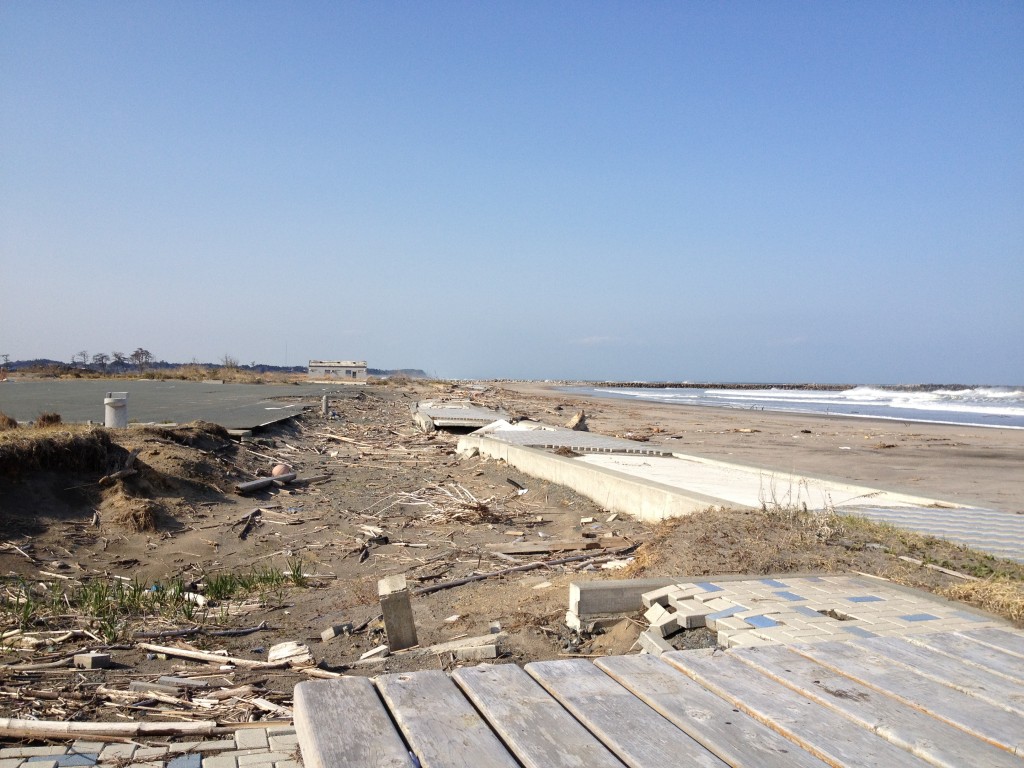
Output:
x,y
295,572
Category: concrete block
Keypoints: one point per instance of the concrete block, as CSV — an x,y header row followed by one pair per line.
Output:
x,y
252,738
396,605
81,746
659,596
92,660
655,613
335,630
220,761
692,616
593,598
477,653
746,640
149,753
731,622
263,759
112,752
31,751
654,644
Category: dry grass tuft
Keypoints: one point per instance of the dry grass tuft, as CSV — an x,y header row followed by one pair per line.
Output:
x,y
48,419
7,422
137,515
63,448
997,595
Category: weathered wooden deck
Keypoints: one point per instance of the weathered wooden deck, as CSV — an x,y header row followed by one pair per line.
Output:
x,y
949,699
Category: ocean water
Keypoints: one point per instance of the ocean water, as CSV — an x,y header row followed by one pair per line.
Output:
x,y
982,406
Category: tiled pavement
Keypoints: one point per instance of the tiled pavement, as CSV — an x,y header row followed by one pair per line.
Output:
x,y
273,747
807,610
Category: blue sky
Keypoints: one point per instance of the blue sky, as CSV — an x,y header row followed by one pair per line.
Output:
x,y
827,192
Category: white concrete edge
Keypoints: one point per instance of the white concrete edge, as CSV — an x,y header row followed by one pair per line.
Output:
x,y
858,493
646,500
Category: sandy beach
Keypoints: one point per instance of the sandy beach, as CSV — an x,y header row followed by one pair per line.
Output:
x,y
975,466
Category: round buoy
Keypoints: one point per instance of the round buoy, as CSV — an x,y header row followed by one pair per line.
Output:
x,y
280,469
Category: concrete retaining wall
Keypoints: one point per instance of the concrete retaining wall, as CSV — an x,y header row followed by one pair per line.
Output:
x,y
615,491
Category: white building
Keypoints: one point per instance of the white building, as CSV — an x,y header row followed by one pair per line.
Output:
x,y
350,371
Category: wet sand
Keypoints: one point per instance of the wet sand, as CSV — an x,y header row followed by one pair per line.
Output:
x,y
975,466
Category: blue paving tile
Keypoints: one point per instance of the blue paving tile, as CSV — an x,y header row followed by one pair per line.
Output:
x,y
774,583
804,610
761,622
919,617
726,613
866,599
186,761
858,631
789,596
707,586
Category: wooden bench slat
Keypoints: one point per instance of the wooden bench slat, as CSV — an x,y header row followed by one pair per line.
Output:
x,y
980,683
966,649
998,726
535,727
638,735
733,736
440,725
822,732
1003,639
905,726
343,724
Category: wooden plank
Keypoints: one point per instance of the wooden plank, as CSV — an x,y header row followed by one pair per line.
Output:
x,y
557,545
710,720
997,726
342,723
535,727
933,740
638,735
972,680
439,724
971,652
1004,640
823,732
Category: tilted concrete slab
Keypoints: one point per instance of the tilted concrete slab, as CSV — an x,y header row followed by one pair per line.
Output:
x,y
533,434
433,414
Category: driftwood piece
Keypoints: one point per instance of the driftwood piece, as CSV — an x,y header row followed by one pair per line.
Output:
x,y
215,658
263,482
52,729
126,470
521,568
